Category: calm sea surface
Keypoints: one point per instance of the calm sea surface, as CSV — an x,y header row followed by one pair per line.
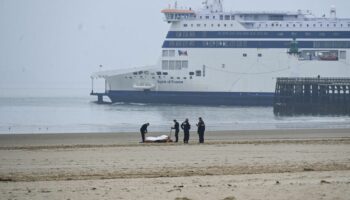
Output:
x,y
71,115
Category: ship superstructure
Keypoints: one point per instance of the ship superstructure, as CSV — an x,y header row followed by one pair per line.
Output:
x,y
233,58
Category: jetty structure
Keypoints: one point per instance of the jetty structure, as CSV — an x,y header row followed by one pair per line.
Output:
x,y
312,96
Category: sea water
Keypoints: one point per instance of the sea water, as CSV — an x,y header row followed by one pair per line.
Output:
x,y
83,115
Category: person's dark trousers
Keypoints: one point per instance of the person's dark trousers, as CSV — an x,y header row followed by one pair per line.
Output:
x,y
143,136
201,136
186,136
176,136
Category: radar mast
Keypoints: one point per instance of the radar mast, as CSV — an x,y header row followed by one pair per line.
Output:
x,y
215,6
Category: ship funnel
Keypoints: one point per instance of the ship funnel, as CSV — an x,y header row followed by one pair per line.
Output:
x,y
333,12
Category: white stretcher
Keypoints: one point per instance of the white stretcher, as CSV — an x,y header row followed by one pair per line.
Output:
x,y
158,139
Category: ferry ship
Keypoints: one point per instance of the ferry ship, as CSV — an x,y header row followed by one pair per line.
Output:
x,y
214,57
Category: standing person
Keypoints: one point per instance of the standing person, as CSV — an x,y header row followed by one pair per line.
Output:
x,y
177,130
186,126
143,131
201,130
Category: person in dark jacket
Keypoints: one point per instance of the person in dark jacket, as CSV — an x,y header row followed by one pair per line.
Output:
x,y
143,131
177,130
186,126
201,130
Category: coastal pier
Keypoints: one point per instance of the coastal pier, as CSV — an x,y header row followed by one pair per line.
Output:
x,y
312,96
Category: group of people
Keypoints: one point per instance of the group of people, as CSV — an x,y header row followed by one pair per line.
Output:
x,y
185,126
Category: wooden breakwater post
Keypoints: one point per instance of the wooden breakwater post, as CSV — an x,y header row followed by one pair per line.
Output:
x,y
312,96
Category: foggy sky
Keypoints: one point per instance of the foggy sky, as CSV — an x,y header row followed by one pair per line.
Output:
x,y
57,44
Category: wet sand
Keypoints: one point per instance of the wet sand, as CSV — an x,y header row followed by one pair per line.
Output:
x,y
279,164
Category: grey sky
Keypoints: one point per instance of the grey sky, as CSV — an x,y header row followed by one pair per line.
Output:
x,y
58,43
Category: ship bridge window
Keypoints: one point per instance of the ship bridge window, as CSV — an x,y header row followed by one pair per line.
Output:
x,y
232,17
185,64
171,53
259,55
227,17
342,55
206,17
165,64
178,65
221,17
171,64
165,53
245,55
185,25
135,73
276,17
198,73
191,73
165,73
159,73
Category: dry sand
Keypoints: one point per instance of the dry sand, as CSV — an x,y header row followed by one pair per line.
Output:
x,y
289,164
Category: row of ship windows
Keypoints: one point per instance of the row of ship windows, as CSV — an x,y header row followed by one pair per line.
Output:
x,y
222,17
205,25
161,75
301,25
255,44
174,64
322,55
168,53
273,25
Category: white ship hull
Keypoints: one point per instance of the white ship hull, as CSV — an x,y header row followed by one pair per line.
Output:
x,y
226,63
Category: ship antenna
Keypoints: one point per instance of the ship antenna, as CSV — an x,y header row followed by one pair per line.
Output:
x,y
205,3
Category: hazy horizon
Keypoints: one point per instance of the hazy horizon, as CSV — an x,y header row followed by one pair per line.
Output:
x,y
54,46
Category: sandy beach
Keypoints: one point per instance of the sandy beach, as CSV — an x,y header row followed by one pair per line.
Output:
x,y
278,164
